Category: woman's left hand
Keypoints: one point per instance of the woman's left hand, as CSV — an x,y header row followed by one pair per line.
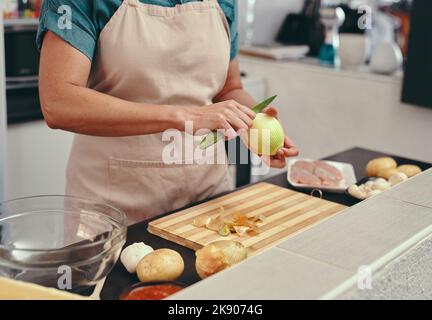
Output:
x,y
288,150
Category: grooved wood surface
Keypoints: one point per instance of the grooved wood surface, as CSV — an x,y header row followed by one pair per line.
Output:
x,y
287,212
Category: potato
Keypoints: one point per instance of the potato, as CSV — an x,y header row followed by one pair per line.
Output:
x,y
375,165
387,173
409,169
160,265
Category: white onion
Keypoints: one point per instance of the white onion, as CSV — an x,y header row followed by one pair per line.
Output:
x,y
218,256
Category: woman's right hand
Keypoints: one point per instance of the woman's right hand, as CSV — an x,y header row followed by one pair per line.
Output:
x,y
228,115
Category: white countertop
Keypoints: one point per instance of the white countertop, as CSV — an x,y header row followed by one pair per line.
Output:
x,y
323,262
311,64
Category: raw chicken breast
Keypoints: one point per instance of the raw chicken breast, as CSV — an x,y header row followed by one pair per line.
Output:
x,y
316,173
304,176
337,175
306,165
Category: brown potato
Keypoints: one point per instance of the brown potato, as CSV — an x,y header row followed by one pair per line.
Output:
x,y
374,166
387,173
160,265
409,169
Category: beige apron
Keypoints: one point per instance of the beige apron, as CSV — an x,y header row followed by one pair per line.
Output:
x,y
157,55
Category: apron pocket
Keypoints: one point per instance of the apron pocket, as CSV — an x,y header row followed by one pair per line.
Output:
x,y
136,188
207,180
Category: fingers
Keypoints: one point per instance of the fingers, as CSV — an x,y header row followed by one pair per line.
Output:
x,y
235,119
288,152
244,117
239,116
292,152
278,162
271,111
247,111
230,133
288,143
289,149
245,114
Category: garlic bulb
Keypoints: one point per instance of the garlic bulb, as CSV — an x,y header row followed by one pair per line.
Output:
x,y
357,192
369,184
131,255
218,256
380,184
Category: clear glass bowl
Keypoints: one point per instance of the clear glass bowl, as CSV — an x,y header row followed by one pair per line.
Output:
x,y
62,242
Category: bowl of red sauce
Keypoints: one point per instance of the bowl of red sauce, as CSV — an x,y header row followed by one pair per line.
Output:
x,y
152,290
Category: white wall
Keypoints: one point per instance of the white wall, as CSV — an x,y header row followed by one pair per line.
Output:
x,y
2,111
37,158
326,111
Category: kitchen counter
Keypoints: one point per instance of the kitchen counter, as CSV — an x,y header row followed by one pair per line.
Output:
x,y
407,277
298,267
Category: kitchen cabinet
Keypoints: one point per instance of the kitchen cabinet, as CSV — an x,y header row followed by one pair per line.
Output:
x,y
326,110
22,65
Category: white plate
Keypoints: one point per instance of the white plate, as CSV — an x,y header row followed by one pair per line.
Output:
x,y
347,170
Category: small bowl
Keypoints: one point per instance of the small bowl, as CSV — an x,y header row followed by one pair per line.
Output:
x,y
63,242
139,285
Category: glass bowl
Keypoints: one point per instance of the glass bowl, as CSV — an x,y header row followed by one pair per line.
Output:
x,y
67,243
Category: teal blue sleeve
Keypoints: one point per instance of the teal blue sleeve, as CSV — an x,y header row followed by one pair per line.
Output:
x,y
88,17
229,7
77,29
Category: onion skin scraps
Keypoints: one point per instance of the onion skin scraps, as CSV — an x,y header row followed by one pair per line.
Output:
x,y
225,225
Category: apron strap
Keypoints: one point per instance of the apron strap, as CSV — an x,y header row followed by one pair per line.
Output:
x,y
135,3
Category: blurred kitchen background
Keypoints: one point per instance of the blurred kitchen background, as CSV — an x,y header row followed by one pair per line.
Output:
x,y
344,71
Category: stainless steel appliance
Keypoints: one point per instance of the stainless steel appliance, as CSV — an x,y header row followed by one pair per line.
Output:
x,y
22,56
22,69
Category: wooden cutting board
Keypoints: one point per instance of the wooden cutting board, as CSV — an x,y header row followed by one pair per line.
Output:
x,y
287,212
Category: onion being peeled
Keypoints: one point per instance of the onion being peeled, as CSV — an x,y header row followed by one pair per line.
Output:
x,y
266,136
218,256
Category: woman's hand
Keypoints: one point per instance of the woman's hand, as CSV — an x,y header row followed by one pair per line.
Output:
x,y
228,115
288,150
